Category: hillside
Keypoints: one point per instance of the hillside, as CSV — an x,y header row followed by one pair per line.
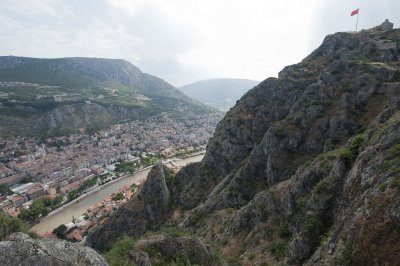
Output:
x,y
39,96
303,170
219,93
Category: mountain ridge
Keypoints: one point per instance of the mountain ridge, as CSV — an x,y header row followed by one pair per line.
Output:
x,y
55,95
303,170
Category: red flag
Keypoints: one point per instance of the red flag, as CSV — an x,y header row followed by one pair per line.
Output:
x,y
354,12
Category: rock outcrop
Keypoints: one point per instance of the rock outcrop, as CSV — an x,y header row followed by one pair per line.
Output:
x,y
146,211
22,250
300,169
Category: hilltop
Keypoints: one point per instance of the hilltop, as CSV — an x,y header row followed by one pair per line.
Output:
x,y
303,170
219,93
45,96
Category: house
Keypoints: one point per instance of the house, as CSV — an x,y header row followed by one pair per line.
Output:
x,y
35,192
18,200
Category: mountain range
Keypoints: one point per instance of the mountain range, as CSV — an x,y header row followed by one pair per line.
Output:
x,y
55,96
219,93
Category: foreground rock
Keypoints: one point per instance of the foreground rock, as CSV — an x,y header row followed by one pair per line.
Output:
x,y
25,251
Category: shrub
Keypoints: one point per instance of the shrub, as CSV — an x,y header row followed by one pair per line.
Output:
x,y
312,223
174,231
284,231
60,231
278,248
301,203
382,187
321,187
349,155
224,241
395,183
119,253
9,225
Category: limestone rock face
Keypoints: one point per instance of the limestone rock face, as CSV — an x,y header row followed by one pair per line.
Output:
x,y
302,169
155,196
25,251
148,210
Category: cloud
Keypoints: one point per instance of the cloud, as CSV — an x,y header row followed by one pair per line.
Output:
x,y
334,15
183,40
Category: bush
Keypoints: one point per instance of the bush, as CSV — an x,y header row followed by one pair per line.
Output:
x,y
60,231
284,231
119,252
322,186
312,223
278,248
9,225
301,203
349,155
395,183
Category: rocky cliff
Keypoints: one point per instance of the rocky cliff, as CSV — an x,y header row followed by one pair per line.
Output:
x,y
22,250
306,164
305,168
147,211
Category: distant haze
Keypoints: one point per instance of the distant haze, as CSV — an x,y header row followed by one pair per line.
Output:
x,y
219,93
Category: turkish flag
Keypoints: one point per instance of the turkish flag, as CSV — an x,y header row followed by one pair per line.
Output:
x,y
354,12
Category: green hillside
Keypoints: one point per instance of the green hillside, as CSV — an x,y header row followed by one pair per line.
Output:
x,y
35,90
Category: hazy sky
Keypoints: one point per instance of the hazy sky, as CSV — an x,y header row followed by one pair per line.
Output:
x,y
184,41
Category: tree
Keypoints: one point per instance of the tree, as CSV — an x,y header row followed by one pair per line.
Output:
x,y
5,190
9,225
26,179
57,200
60,231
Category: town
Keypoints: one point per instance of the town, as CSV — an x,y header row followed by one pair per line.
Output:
x,y
39,175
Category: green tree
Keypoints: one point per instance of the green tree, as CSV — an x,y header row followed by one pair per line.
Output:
x,y
60,231
5,190
26,179
9,225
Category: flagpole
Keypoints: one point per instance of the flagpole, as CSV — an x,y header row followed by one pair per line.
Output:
x,y
358,14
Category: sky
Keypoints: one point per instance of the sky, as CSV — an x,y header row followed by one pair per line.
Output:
x,y
183,41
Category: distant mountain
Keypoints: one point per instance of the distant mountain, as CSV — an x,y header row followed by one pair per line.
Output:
x,y
65,94
219,93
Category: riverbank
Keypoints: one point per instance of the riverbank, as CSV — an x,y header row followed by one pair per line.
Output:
x,y
79,206
90,192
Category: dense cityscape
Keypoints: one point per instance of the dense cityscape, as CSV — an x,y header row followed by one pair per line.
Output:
x,y
64,167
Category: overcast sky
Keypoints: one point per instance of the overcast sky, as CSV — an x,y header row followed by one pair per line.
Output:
x,y
183,41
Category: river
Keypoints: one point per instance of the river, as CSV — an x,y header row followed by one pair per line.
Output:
x,y
77,209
